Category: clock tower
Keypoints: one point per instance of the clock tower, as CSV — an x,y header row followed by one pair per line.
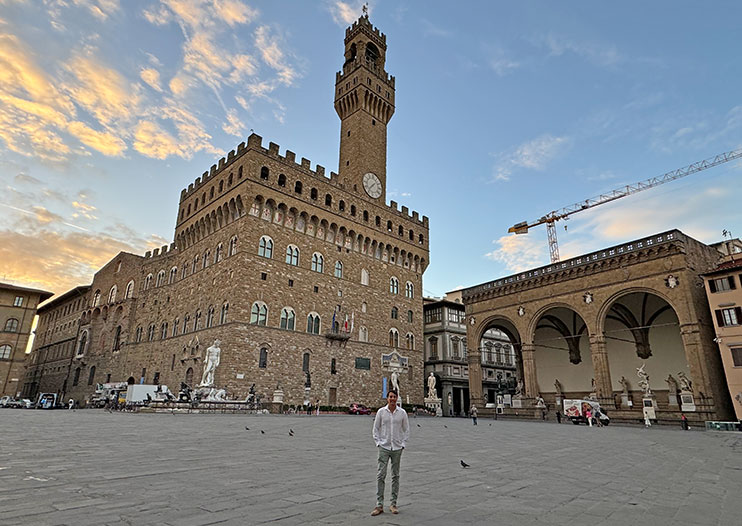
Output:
x,y
364,101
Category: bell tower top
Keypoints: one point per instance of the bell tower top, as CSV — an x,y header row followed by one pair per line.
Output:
x,y
364,101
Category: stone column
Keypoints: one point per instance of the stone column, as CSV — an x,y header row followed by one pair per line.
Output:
x,y
695,355
474,359
601,369
530,381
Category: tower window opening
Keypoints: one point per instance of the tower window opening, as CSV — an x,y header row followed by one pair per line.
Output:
x,y
264,172
348,133
373,122
297,187
281,180
328,200
313,194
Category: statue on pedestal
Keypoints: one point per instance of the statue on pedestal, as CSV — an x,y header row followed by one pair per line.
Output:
x,y
644,380
686,386
558,387
431,387
519,389
212,357
672,384
395,381
624,386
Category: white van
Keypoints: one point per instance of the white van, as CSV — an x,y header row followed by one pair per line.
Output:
x,y
575,410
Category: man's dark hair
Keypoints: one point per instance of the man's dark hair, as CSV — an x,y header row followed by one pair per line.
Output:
x,y
392,391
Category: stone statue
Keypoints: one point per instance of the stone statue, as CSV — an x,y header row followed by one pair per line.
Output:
x,y
672,384
395,381
450,399
540,402
308,383
431,386
624,385
519,388
643,380
558,387
686,386
212,362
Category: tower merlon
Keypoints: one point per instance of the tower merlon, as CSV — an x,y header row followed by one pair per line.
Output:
x,y
273,148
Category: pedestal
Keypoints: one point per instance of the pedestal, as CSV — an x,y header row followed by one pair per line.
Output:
x,y
307,397
278,396
434,404
626,402
686,402
672,400
649,406
559,401
516,403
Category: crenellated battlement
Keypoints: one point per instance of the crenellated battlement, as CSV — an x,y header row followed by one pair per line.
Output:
x,y
393,206
350,67
363,24
159,253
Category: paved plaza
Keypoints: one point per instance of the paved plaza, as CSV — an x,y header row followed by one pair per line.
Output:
x,y
99,468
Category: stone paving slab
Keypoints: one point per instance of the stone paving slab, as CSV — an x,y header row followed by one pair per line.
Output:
x,y
97,468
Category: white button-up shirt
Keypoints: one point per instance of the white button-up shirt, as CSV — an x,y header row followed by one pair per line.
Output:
x,y
391,430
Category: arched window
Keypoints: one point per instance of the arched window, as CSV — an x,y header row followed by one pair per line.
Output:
x,y
11,325
76,379
112,294
393,338
341,206
225,313
96,298
138,335
151,332
265,247
197,320
160,279
211,193
297,187
281,180
395,313
412,235
259,313
364,276
363,334
420,239
176,322
239,173
409,316
410,341
230,180
313,322
206,259
318,262
129,292
186,323
221,186
409,290
305,362
288,318
333,366
394,286
388,226
210,316
232,246
263,363
292,255
328,200
264,173
194,267
353,210
313,194
338,269
365,216
173,275
219,254
378,221
5,351
163,331
189,376
116,338
400,231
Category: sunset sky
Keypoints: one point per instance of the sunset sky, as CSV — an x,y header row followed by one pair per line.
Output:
x,y
505,111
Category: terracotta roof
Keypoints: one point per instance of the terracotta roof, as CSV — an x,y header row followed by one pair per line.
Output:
x,y
726,266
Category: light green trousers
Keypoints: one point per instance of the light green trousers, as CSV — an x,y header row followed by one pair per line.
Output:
x,y
384,456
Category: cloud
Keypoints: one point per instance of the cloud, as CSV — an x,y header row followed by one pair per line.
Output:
x,y
532,155
101,9
234,12
151,140
502,64
151,77
593,52
105,143
345,13
271,52
233,126
519,252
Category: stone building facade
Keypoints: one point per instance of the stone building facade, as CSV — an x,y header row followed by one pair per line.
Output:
x,y
17,310
446,354
294,271
584,326
724,291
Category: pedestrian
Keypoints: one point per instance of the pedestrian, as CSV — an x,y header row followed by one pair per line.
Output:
x,y
589,416
559,417
684,422
473,413
71,405
317,406
647,422
391,431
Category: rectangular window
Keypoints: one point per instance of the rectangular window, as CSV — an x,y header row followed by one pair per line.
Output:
x,y
737,356
727,317
363,363
18,302
454,315
722,284
263,276
433,315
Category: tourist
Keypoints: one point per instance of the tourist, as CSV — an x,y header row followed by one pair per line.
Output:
x,y
391,431
647,422
474,414
317,403
684,422
71,405
589,416
559,417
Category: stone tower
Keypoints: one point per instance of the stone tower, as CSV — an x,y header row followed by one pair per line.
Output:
x,y
364,101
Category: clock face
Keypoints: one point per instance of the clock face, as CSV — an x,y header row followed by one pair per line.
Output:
x,y
372,185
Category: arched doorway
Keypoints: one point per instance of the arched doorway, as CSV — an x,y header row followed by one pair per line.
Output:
x,y
499,370
131,381
562,355
189,377
642,329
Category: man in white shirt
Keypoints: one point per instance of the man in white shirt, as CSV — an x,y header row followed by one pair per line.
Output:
x,y
391,431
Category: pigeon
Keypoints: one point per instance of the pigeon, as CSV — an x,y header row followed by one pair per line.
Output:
x,y
262,432
418,425
291,434
464,464
247,428
291,431
490,425
444,425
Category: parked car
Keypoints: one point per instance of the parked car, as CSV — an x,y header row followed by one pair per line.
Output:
x,y
5,400
26,403
15,403
359,409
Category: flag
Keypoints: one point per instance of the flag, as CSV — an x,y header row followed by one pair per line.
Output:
x,y
346,323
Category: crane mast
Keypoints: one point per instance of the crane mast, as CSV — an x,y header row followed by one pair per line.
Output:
x,y
563,213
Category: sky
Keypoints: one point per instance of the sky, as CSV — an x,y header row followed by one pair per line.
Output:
x,y
505,111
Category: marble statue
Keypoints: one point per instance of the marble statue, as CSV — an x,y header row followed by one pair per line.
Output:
x,y
431,386
672,384
686,386
624,385
540,402
519,388
643,380
450,399
212,362
395,381
558,387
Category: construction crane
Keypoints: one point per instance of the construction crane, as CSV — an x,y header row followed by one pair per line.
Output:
x,y
563,213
